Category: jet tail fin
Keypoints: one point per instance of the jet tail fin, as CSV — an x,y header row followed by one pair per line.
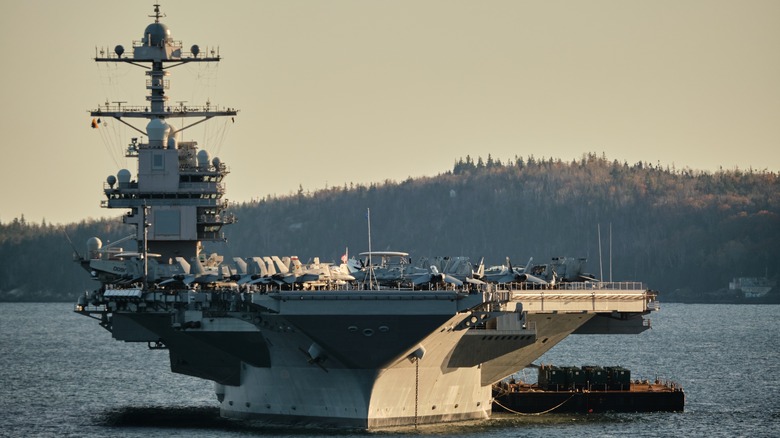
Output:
x,y
281,266
182,262
197,267
241,266
255,265
480,269
269,264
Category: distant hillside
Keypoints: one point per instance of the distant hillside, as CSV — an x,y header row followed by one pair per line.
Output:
x,y
685,233
36,260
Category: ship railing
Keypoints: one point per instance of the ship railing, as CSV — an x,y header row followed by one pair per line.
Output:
x,y
495,295
203,186
192,187
527,328
110,53
576,286
171,111
188,168
213,51
212,235
174,44
166,85
115,195
615,298
227,218
80,308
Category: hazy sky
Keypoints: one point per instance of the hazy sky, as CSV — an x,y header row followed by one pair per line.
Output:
x,y
333,92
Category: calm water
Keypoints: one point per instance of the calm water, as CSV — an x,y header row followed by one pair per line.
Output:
x,y
63,375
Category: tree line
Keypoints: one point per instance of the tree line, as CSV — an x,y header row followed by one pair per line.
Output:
x,y
683,232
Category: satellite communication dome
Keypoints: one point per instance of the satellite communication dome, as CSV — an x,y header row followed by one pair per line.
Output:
x,y
216,162
123,176
203,159
111,180
94,244
156,34
93,248
119,50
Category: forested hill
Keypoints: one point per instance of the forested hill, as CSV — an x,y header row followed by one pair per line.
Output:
x,y
685,233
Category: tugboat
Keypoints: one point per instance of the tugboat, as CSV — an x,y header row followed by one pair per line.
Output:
x,y
348,353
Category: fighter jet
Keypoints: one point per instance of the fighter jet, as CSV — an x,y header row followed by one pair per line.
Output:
x,y
196,273
320,275
462,269
508,274
434,277
256,272
565,269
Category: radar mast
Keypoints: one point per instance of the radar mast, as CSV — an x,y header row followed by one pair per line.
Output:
x,y
181,186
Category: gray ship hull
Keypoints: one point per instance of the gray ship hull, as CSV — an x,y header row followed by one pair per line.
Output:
x,y
405,392
352,363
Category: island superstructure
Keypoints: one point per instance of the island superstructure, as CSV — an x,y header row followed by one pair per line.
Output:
x,y
180,187
319,344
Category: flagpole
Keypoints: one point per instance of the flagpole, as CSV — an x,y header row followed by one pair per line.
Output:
x,y
370,264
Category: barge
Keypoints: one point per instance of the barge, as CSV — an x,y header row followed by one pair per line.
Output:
x,y
587,390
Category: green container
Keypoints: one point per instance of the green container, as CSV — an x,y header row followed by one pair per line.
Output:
x,y
551,378
575,378
619,378
596,376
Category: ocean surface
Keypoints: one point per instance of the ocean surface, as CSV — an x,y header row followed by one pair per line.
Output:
x,y
61,375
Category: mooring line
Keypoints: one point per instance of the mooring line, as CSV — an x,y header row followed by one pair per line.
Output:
x,y
535,413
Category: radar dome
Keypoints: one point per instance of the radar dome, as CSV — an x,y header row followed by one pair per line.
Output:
x,y
94,244
158,132
119,50
195,50
111,180
93,247
216,162
203,159
156,34
123,176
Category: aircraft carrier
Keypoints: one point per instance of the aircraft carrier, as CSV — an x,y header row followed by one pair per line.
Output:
x,y
361,345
